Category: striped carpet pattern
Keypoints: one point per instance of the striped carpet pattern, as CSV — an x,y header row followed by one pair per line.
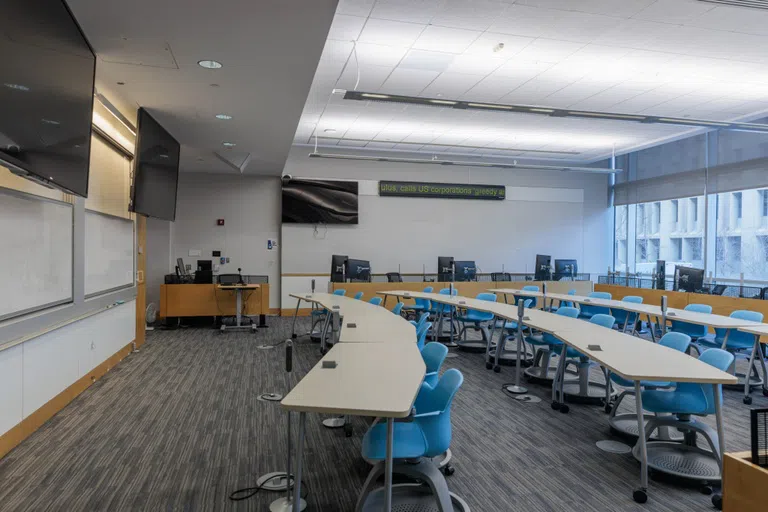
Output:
x,y
178,427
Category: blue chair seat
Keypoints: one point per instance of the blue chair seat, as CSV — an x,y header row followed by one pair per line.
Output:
x,y
409,441
414,307
475,316
621,381
677,402
714,341
536,339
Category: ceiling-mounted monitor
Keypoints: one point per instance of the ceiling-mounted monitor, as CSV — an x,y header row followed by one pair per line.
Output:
x,y
46,94
156,171
319,201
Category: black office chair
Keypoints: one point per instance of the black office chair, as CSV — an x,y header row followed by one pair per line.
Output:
x,y
719,289
230,279
500,276
394,277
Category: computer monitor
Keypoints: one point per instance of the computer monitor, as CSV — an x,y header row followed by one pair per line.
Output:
x,y
205,265
465,270
204,274
661,274
182,267
358,270
444,268
543,268
338,268
565,269
689,279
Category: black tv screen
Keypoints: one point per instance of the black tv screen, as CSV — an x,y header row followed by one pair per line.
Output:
x,y
156,172
315,201
46,94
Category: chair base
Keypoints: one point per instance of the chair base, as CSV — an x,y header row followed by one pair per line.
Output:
x,y
509,358
411,498
625,425
681,460
471,345
754,382
540,375
577,392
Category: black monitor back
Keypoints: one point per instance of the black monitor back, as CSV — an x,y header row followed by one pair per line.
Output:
x,y
205,265
204,277
359,270
338,268
444,268
394,277
543,268
465,270
230,279
690,280
661,274
565,269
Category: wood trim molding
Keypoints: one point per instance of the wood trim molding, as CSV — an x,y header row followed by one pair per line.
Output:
x,y
274,311
306,274
291,311
34,421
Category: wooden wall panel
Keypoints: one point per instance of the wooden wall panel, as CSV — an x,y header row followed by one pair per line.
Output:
x,y
744,484
181,300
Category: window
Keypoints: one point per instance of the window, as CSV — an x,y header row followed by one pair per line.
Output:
x,y
621,221
677,249
675,211
656,217
641,219
763,242
653,249
764,203
737,204
642,250
695,208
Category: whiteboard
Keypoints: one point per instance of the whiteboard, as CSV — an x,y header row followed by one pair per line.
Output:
x,y
108,253
36,269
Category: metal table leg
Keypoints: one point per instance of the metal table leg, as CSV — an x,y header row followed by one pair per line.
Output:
x,y
299,453
495,320
388,466
239,294
748,375
295,315
716,389
725,341
641,495
559,374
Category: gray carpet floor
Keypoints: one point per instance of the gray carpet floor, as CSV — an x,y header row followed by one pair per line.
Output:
x,y
178,426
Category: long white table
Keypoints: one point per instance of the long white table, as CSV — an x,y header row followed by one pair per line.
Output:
x,y
633,358
378,372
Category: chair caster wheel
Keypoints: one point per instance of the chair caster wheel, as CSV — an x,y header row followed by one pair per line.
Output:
x,y
765,392
706,490
488,366
348,430
747,400
497,369
717,501
564,409
640,496
294,336
608,408
449,470
555,406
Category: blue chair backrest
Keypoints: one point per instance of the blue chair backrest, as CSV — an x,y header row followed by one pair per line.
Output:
x,y
434,355
421,334
620,314
437,428
340,291
692,330
528,288
398,308
425,303
376,301
676,340
736,336
428,289
422,319
444,307
359,295
599,295
721,360
597,310
633,299
482,316
603,320
568,303
568,311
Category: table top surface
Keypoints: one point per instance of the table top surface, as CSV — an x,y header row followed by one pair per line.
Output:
x,y
238,286
370,379
363,322
760,330
627,355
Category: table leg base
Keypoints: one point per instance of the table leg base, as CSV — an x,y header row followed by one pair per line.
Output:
x,y
284,505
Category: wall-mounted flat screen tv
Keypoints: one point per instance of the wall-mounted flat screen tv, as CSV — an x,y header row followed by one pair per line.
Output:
x,y
156,173
319,201
46,94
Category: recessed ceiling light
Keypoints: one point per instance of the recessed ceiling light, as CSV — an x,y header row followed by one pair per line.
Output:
x,y
225,117
498,47
209,64
18,87
229,144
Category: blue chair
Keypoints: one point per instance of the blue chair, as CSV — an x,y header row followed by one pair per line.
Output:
x,y
420,305
588,311
422,320
695,331
476,319
565,303
437,309
528,288
421,334
318,315
398,308
434,355
738,343
376,301
675,409
427,435
359,295
623,317
545,345
626,424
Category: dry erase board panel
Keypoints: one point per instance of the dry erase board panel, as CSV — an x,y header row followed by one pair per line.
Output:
x,y
108,253
36,235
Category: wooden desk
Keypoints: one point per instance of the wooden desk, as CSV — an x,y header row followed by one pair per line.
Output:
x,y
186,300
744,484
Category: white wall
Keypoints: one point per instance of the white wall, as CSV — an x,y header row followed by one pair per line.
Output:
x,y
34,372
250,207
562,214
158,251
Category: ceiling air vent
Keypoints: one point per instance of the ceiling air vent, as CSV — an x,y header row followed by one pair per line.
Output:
x,y
754,4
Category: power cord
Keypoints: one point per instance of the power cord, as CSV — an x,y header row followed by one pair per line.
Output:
x,y
252,491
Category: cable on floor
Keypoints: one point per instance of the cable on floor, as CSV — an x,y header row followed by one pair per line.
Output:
x,y
252,491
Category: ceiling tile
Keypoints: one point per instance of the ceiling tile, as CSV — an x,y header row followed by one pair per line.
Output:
x,y
451,85
408,82
674,11
414,11
474,64
355,7
352,143
534,91
624,8
371,77
606,99
522,69
475,15
426,60
571,94
549,50
488,41
492,89
390,33
734,19
379,55
346,28
442,39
